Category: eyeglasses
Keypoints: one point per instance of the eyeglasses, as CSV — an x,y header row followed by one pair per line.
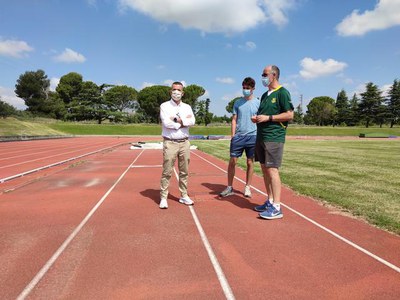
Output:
x,y
265,74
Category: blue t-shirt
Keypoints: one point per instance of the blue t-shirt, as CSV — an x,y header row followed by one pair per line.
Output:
x,y
244,110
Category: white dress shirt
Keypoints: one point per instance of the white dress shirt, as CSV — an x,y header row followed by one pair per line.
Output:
x,y
170,129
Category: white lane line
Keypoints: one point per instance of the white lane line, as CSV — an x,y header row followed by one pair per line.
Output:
x,y
147,166
28,289
336,235
214,261
54,164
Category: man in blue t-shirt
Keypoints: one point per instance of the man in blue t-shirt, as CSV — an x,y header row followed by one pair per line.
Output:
x,y
244,133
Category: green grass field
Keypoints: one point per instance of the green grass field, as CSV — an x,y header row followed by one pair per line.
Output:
x,y
359,176
12,126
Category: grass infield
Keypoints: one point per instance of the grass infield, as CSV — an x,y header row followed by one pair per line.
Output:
x,y
359,176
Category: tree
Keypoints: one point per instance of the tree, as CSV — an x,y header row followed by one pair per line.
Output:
x,y
89,104
298,115
393,103
150,98
321,111
229,107
6,109
370,103
33,88
69,87
121,98
342,107
53,106
354,117
192,93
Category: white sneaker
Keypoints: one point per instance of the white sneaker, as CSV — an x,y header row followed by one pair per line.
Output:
x,y
247,191
163,203
226,192
186,200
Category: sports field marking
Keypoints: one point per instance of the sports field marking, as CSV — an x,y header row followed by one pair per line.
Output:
x,y
214,261
147,166
28,289
51,165
336,235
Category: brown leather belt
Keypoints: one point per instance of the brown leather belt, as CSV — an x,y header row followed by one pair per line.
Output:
x,y
176,140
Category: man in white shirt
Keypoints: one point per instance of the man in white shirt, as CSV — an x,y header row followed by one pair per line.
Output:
x,y
176,118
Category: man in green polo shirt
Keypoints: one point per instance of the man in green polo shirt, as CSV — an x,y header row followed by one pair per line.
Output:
x,y
274,113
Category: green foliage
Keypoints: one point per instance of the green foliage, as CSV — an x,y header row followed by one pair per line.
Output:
x,y
343,108
121,98
203,116
370,103
393,103
229,107
89,104
192,93
6,109
69,87
321,111
33,87
298,115
150,99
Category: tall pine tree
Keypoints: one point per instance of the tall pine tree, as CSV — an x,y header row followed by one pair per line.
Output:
x,y
342,107
393,103
370,104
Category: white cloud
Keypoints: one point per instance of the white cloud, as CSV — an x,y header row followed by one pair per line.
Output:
x,y
14,48
225,80
249,46
70,56
385,14
318,68
226,16
385,89
8,95
54,83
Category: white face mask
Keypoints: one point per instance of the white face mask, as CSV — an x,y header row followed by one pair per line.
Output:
x,y
176,95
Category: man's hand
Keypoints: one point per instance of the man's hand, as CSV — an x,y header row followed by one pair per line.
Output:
x,y
262,118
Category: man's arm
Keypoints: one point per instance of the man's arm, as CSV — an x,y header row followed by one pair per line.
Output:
x,y
282,117
188,119
233,125
167,119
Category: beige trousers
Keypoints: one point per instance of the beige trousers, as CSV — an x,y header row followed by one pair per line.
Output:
x,y
171,151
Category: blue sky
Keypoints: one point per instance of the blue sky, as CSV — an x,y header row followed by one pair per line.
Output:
x,y
321,47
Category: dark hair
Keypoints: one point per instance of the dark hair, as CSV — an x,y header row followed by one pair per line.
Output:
x,y
276,71
177,82
249,82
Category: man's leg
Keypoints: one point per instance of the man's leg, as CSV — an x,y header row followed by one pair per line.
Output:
x,y
183,165
275,179
249,171
267,182
169,157
231,170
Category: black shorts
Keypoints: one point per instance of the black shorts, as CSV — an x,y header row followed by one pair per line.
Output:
x,y
269,153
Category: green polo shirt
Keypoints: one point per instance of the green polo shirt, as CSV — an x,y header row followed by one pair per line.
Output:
x,y
277,102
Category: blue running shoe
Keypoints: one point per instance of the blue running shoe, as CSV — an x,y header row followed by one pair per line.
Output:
x,y
271,213
263,207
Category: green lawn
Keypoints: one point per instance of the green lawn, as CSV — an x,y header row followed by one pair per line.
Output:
x,y
12,126
359,176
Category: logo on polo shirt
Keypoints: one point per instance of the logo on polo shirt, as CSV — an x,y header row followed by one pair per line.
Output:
x,y
273,100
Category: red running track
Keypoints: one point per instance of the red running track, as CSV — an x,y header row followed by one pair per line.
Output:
x,y
94,231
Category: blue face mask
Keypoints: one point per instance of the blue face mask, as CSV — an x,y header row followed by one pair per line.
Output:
x,y
246,93
265,81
